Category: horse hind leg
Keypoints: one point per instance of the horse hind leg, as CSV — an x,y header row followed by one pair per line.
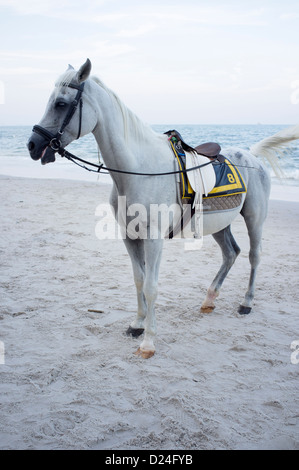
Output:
x,y
255,236
230,251
254,212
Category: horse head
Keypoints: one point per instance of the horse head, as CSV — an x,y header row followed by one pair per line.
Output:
x,y
62,122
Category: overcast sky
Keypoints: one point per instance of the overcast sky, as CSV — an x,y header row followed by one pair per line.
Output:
x,y
171,62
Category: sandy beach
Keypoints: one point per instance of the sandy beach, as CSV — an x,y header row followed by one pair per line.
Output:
x,y
69,378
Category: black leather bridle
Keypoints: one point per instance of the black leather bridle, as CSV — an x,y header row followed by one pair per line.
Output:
x,y
54,139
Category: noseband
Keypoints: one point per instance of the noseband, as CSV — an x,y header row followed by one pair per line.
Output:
x,y
54,139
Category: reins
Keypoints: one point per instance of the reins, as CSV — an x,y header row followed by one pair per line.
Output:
x,y
55,143
64,153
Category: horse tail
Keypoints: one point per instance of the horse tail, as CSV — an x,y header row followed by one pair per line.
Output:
x,y
277,144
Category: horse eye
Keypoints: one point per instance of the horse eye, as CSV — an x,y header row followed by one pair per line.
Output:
x,y
60,104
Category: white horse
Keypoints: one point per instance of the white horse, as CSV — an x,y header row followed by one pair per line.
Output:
x,y
126,143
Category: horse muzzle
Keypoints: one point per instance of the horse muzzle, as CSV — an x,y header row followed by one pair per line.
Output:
x,y
40,149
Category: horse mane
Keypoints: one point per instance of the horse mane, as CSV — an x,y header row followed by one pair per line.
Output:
x,y
132,124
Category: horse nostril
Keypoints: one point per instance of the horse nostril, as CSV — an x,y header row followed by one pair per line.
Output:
x,y
31,146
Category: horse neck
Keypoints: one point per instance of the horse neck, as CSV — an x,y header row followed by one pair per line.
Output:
x,y
126,143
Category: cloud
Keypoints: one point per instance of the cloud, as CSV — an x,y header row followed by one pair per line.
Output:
x,y
72,51
151,51
37,7
196,14
2,92
22,71
289,16
103,11
131,33
69,10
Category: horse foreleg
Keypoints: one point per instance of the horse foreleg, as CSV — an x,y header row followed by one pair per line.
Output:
x,y
230,251
153,251
135,249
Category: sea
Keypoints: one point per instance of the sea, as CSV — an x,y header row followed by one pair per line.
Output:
x,y
15,159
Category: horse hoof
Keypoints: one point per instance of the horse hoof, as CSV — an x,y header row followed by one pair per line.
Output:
x,y
242,310
135,332
144,354
207,309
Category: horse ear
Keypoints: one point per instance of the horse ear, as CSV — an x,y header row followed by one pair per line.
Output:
x,y
84,71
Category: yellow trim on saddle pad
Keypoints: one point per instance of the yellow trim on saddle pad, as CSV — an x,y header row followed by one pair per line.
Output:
x,y
236,182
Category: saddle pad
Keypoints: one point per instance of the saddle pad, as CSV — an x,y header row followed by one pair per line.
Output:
x,y
228,180
215,180
220,204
